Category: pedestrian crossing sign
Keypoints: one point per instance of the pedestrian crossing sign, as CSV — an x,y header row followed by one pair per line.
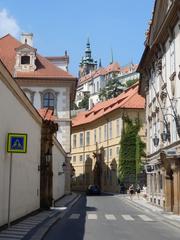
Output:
x,y
17,143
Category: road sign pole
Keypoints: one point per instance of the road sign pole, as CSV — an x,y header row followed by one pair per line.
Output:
x,y
10,183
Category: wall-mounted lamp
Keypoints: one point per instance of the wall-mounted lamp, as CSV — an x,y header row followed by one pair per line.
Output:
x,y
164,136
156,140
64,166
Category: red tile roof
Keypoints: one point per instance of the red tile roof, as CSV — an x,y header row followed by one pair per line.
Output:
x,y
130,99
45,69
128,69
114,67
47,114
58,58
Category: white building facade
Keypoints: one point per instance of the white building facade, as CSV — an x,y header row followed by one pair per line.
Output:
x,y
160,83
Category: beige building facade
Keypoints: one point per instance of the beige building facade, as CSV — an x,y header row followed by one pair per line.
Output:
x,y
95,140
160,75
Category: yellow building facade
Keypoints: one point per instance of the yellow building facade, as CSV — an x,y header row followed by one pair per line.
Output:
x,y
95,140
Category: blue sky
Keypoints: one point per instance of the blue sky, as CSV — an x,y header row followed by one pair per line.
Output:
x,y
58,25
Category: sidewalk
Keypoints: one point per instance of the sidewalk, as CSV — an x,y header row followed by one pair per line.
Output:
x,y
145,205
36,226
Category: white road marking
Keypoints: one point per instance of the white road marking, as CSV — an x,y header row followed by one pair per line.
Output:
x,y
12,236
127,217
145,218
110,217
74,216
9,238
92,216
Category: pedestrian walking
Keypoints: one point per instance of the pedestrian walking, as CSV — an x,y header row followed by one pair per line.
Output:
x,y
138,190
131,191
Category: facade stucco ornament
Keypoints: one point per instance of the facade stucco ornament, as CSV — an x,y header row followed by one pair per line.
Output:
x,y
159,66
163,96
172,81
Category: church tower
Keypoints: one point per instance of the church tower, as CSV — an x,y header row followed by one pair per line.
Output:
x,y
87,63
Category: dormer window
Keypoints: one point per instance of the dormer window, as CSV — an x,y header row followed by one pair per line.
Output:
x,y
25,60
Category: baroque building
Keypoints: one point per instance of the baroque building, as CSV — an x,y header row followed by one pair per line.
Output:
x,y
160,83
44,82
96,135
93,78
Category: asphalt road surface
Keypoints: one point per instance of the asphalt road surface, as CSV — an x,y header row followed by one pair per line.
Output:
x,y
107,217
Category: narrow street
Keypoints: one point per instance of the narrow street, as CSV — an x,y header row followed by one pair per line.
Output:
x,y
107,217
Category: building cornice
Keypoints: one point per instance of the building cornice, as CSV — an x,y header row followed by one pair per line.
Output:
x,y
169,21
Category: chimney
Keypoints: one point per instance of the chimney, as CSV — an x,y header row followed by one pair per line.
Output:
x,y
27,38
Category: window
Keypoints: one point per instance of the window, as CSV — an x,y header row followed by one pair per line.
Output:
x,y
80,158
87,138
25,60
74,158
105,153
74,141
87,156
164,68
97,86
110,130
172,57
110,152
94,136
94,88
48,100
81,140
99,134
105,132
118,127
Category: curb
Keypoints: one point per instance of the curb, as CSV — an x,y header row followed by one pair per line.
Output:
x,y
174,224
40,233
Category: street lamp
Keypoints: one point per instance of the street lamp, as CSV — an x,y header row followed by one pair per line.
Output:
x,y
164,136
156,140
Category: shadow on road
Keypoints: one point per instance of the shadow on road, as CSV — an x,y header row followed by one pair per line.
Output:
x,y
71,226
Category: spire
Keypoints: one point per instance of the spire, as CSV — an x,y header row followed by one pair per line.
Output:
x,y
88,50
100,65
87,64
112,60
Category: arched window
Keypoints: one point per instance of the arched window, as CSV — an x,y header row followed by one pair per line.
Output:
x,y
49,100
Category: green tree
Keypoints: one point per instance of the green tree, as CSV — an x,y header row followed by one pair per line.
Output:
x,y
112,89
84,102
131,82
74,106
131,150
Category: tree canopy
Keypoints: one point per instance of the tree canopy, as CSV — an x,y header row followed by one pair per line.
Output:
x,y
112,89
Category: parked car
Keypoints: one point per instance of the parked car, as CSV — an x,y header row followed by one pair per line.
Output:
x,y
93,190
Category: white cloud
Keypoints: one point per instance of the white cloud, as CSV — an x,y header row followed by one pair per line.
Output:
x,y
8,24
